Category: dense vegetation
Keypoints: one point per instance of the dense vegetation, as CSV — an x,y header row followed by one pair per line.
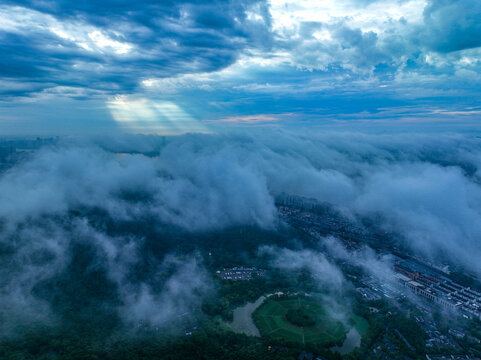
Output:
x,y
301,317
87,325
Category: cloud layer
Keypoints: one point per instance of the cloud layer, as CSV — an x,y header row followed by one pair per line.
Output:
x,y
401,63
423,188
113,47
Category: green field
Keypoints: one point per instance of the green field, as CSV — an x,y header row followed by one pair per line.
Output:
x,y
270,318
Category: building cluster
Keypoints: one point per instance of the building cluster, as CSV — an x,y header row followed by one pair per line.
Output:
x,y
436,339
240,273
439,289
368,294
320,219
416,275
384,348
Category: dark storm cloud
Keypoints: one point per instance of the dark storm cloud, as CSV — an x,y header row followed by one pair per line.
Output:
x,y
28,59
50,43
452,25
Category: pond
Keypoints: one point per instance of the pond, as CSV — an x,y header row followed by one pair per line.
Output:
x,y
242,321
352,341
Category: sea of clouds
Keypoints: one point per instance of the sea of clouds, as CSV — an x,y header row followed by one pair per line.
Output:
x,y
423,187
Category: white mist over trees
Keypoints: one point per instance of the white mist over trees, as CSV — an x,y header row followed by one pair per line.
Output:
x,y
424,187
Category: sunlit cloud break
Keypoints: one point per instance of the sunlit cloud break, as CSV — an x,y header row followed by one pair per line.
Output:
x,y
161,117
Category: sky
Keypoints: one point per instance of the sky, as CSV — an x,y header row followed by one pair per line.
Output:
x,y
171,67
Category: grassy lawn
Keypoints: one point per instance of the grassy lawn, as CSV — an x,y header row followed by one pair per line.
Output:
x,y
271,321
